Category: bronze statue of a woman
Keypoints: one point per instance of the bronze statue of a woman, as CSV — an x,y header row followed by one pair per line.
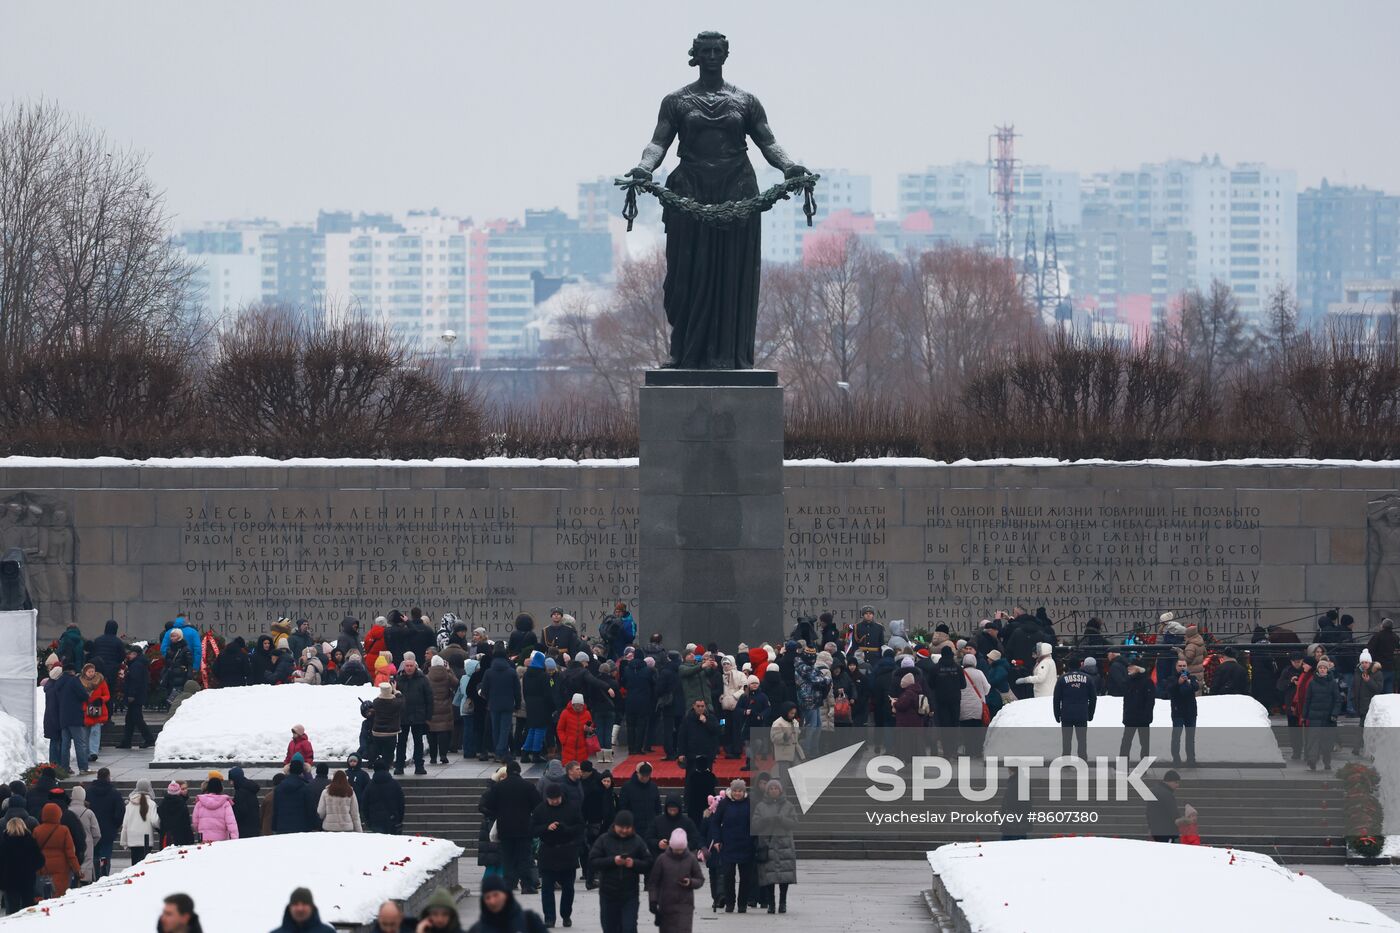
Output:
x,y
712,269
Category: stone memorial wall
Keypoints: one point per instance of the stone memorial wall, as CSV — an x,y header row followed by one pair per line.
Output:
x,y
234,547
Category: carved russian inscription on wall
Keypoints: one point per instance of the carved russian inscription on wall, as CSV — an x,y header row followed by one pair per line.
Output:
x,y
234,550
245,564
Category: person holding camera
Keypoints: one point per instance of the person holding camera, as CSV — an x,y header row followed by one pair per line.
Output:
x,y
1182,694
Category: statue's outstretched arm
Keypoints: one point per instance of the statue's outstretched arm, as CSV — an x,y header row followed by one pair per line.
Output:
x,y
661,139
775,154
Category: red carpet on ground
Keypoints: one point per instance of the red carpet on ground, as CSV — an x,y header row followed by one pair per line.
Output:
x,y
671,774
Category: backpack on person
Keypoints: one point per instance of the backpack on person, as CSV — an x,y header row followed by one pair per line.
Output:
x,y
610,629
924,709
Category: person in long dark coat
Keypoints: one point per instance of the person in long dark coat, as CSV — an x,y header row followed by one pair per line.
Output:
x,y
234,668
262,660
20,863
538,694
174,813
732,844
246,804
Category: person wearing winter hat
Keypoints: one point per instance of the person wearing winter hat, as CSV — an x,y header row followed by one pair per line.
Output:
x,y
384,669
1188,827
574,729
734,846
140,830
906,704
500,912
676,874
214,819
386,722
300,743
301,915
1042,676
293,802
538,693
557,824
1089,667
619,857
174,812
772,821
92,833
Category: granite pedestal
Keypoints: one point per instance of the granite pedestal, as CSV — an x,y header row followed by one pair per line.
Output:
x,y
711,506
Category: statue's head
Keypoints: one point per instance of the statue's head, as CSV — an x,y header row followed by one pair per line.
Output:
x,y
709,50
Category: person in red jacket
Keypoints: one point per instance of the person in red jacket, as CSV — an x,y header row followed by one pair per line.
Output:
x,y
1189,827
1300,693
99,706
758,661
374,643
299,743
575,723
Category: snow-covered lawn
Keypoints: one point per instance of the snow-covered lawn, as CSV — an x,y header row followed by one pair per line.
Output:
x,y
254,723
16,754
1012,887
1383,742
244,884
1229,728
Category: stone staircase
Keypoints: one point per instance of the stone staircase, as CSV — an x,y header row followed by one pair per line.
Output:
x,y
1295,821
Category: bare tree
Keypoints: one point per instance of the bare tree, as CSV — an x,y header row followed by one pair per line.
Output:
x,y
1279,327
283,386
1208,333
834,319
86,248
619,337
961,310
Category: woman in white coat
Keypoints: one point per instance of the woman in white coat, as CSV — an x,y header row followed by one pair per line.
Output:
x,y
140,824
1043,675
338,809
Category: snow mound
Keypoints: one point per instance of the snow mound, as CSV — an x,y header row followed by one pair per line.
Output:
x,y
1383,742
1229,729
254,724
16,753
349,874
1252,892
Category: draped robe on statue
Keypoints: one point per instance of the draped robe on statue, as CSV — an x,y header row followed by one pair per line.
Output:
x,y
711,287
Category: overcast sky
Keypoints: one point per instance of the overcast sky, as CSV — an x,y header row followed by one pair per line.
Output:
x,y
485,108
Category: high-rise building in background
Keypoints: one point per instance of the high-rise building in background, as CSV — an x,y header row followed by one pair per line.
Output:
x,y
423,274
1128,243
1118,268
410,275
226,270
1242,219
964,188
1345,234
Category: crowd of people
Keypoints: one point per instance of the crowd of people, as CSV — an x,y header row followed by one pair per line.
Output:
x,y
551,695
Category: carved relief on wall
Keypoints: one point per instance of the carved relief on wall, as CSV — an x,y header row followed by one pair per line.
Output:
x,y
42,527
